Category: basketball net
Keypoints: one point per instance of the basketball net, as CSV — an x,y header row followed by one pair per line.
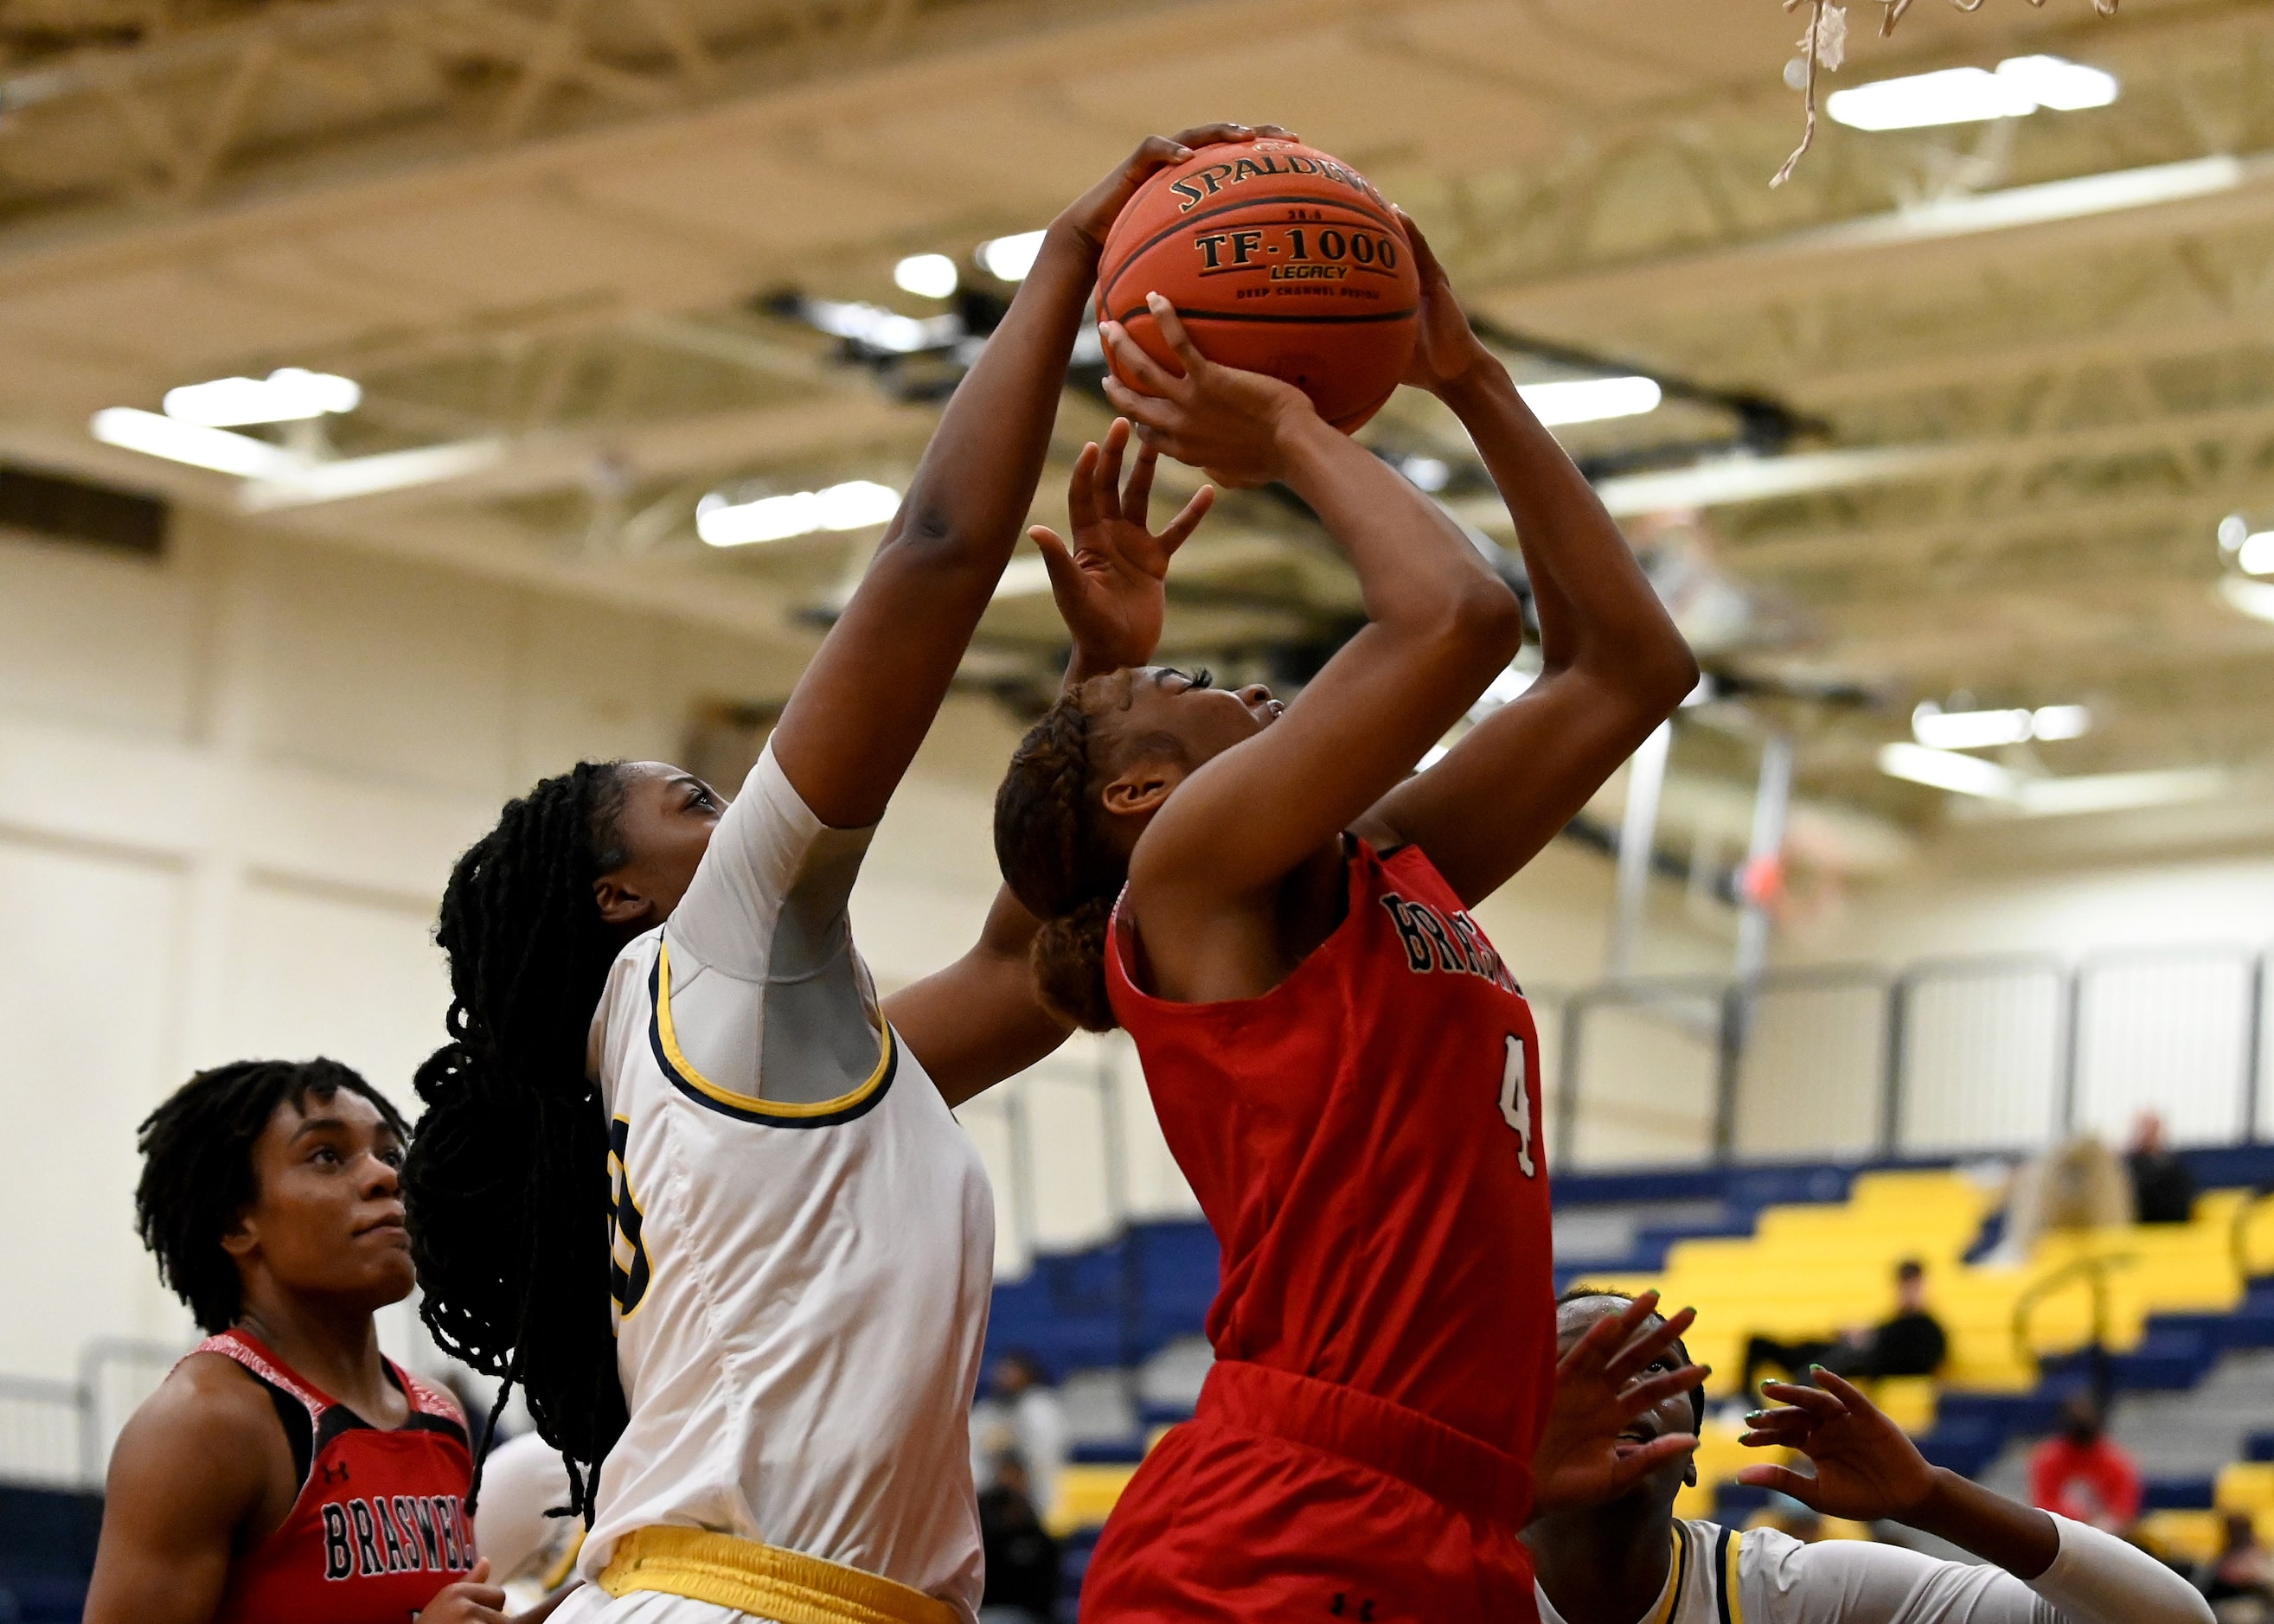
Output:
x,y
1825,45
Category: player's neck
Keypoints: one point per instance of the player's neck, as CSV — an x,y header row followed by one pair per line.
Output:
x,y
1602,1566
333,1347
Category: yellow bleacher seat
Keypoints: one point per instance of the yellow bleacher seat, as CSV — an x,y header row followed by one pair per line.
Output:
x,y
2246,1485
1807,1271
1086,1494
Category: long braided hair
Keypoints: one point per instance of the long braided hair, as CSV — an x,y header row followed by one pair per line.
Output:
x,y
507,1183
1051,845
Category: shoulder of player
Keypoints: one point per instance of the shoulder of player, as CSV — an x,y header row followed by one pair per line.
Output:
x,y
209,1432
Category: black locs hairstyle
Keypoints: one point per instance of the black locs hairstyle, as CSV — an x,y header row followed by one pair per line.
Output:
x,y
507,1186
198,1173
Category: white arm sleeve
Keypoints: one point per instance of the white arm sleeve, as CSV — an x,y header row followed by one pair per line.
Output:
x,y
2094,1580
768,845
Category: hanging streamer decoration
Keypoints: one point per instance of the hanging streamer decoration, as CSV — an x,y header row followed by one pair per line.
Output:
x,y
1823,47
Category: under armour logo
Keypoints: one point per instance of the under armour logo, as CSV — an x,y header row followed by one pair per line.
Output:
x,y
334,1472
1342,1609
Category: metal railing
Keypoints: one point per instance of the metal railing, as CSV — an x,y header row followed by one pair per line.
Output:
x,y
1990,1053
56,1433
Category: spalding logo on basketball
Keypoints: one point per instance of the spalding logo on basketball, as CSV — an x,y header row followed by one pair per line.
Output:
x,y
1279,259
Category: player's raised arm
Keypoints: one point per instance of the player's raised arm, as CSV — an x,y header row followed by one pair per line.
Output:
x,y
977,1021
862,707
1613,666
1439,627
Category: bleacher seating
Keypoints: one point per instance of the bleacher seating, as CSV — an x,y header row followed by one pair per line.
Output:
x,y
47,1550
1791,1251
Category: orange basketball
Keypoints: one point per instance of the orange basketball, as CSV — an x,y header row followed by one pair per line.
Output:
x,y
1279,259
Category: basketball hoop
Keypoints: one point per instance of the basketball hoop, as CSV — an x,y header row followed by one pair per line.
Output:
x,y
1825,45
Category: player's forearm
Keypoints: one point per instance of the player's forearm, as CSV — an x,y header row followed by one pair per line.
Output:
x,y
1417,573
1594,603
977,478
2021,1540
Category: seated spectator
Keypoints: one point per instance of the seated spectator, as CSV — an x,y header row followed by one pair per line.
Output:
x,y
2162,1190
1630,1560
1910,1342
2242,1572
2081,1185
1022,1559
1020,1416
2079,1474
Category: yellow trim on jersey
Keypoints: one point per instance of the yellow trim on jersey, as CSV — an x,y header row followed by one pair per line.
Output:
x,y
1729,1578
751,1102
1679,1570
763,1580
557,1574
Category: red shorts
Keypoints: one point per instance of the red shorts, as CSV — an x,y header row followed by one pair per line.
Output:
x,y
1286,1497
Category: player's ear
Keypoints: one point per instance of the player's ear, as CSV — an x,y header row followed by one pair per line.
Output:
x,y
1141,786
242,1238
622,903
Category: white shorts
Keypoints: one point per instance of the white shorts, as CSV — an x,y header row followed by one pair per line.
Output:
x,y
591,1605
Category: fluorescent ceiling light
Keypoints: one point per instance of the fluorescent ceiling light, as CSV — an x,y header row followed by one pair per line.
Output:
x,y
2117,792
2255,555
855,505
2060,722
1962,775
927,275
1591,400
368,476
1010,258
2058,85
188,442
2021,85
1428,473
288,394
887,330
2100,792
1977,730
2254,599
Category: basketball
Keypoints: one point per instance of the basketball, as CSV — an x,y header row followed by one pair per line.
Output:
x,y
1279,259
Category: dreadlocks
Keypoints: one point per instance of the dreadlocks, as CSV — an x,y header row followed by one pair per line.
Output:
x,y
507,1186
197,1175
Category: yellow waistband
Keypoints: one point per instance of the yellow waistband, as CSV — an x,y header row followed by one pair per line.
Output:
x,y
764,1580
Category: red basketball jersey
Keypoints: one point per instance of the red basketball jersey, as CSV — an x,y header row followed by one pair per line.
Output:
x,y
379,1525
1365,1140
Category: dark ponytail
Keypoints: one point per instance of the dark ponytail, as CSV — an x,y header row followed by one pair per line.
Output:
x,y
1051,844
507,1182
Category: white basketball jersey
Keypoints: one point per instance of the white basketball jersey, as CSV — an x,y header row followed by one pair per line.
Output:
x,y
803,1239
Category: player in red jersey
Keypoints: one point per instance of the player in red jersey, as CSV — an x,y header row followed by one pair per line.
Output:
x,y
285,1471
1344,1067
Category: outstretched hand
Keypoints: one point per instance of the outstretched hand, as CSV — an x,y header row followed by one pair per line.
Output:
x,y
1214,417
1866,1469
1092,215
1601,1388
1445,348
1110,583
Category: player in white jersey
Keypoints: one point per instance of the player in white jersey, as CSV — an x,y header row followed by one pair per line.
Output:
x,y
760,1377
1630,1561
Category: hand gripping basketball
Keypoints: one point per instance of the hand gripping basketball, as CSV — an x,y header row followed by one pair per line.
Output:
x,y
1092,215
1219,418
